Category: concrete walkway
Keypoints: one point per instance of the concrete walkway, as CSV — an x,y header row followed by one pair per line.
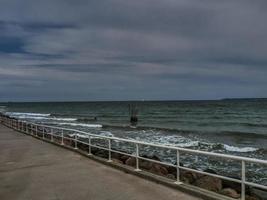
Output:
x,y
34,170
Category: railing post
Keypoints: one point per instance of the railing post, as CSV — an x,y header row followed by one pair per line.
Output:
x,y
89,145
109,151
43,132
137,157
75,141
62,137
243,180
52,134
178,167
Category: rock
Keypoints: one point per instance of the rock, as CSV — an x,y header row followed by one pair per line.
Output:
x,y
82,147
230,193
209,183
188,177
101,154
172,170
146,165
131,161
67,142
117,161
124,158
252,198
260,194
230,184
171,176
159,170
116,156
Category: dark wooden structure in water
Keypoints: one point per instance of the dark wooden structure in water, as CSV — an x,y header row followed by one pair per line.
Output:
x,y
133,112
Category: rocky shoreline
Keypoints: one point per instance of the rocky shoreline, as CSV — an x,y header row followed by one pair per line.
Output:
x,y
214,184
224,187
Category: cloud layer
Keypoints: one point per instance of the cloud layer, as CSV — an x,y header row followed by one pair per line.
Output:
x,y
121,49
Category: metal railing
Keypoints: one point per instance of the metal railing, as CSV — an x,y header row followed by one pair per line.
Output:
x,y
34,129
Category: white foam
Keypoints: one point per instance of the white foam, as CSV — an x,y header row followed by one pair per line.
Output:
x,y
80,124
63,119
106,133
38,116
27,114
78,135
239,149
189,144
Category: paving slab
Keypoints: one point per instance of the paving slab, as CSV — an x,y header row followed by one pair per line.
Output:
x,y
31,169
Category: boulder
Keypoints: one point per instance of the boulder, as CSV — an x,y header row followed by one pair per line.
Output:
x,y
172,170
146,165
159,170
117,161
101,154
248,197
131,161
188,177
259,193
171,176
230,193
116,156
124,158
230,184
209,183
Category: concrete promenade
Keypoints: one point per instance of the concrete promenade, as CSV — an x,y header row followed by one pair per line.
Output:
x,y
31,169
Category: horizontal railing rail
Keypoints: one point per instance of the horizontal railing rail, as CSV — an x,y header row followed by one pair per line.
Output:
x,y
31,128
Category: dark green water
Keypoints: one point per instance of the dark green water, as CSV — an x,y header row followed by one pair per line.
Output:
x,y
236,127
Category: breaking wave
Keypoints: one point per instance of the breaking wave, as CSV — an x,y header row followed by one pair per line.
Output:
x,y
81,125
19,114
37,116
239,149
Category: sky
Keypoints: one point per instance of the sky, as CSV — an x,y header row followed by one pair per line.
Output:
x,y
66,50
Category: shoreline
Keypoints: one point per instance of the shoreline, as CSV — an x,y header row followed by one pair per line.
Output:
x,y
194,178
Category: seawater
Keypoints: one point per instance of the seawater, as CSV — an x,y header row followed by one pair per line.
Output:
x,y
236,127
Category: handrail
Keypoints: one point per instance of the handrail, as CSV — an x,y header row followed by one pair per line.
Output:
x,y
18,125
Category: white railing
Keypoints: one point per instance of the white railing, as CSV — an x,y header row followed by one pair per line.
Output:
x,y
34,129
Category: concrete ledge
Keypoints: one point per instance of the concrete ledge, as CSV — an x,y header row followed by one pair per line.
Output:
x,y
190,189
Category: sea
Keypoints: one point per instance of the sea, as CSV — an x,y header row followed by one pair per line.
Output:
x,y
229,126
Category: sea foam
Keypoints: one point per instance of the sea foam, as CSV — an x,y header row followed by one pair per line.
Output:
x,y
239,149
27,114
82,125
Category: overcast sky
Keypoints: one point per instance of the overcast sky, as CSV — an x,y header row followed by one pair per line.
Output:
x,y
132,49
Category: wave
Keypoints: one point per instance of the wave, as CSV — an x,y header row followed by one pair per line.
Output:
x,y
239,149
82,125
189,144
106,133
37,116
63,119
27,114
78,135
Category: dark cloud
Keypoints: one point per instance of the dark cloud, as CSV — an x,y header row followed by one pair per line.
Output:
x,y
120,49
